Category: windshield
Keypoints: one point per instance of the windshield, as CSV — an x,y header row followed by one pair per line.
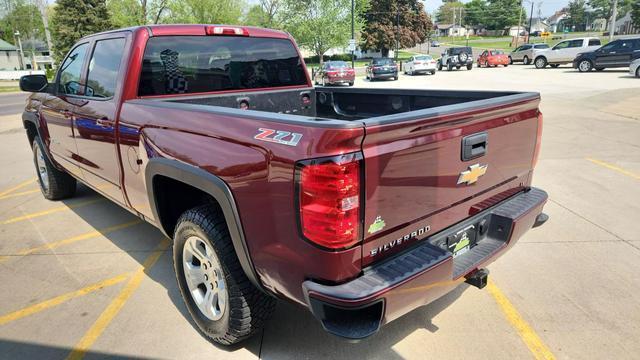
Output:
x,y
541,46
193,64
424,58
382,62
337,65
497,52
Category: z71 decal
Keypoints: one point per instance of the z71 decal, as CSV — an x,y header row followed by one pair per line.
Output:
x,y
278,136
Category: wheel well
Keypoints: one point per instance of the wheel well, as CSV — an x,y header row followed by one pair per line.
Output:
x,y
540,57
174,197
31,131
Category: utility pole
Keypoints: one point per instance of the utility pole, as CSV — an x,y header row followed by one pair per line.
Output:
x,y
397,33
530,20
614,15
45,21
353,33
519,24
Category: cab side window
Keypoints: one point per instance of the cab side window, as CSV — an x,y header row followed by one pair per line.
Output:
x,y
103,68
575,43
594,42
71,70
562,45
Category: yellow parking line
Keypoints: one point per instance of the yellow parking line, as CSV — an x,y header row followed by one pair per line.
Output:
x,y
50,211
27,192
73,239
526,332
19,314
615,168
19,186
116,305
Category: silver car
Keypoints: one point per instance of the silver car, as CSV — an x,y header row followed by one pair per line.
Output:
x,y
524,53
634,68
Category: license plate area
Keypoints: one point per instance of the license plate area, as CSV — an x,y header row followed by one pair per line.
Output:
x,y
462,241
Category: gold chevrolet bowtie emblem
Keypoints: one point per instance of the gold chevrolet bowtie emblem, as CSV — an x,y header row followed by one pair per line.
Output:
x,y
472,174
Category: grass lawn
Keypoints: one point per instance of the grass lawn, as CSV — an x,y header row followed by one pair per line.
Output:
x,y
7,89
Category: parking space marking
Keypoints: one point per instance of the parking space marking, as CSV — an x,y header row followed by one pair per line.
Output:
x,y
19,186
615,168
51,211
19,314
21,193
116,305
73,239
526,332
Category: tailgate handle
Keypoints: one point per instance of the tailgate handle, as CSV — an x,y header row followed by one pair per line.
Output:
x,y
474,146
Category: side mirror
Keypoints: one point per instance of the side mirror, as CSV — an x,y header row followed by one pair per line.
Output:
x,y
34,83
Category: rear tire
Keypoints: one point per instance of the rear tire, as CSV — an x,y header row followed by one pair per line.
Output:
x,y
469,66
234,309
525,60
351,83
510,60
585,66
638,72
54,184
439,66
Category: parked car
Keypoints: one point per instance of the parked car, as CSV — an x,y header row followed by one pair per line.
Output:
x,y
334,73
435,43
564,52
383,68
492,58
618,53
634,68
536,33
420,64
456,57
524,53
347,202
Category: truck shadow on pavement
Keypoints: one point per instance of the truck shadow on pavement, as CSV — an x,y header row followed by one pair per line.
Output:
x,y
291,332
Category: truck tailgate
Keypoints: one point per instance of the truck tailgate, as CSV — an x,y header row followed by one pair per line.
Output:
x,y
416,181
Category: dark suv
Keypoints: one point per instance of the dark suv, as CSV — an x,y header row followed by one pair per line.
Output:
x,y
383,68
456,57
618,53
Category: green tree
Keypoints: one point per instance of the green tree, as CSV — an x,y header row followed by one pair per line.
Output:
x,y
604,9
381,30
205,11
126,13
450,12
319,25
22,17
475,12
577,14
635,14
73,19
502,14
266,14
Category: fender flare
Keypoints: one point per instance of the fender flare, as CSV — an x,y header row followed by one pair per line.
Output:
x,y
31,117
212,185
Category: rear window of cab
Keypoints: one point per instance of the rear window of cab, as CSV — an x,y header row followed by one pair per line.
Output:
x,y
196,64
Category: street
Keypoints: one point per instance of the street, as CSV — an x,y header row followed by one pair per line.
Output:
x,y
86,275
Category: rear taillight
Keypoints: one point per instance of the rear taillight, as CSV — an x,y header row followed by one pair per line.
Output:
x,y
328,192
536,152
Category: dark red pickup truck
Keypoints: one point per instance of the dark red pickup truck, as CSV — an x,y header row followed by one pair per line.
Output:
x,y
358,204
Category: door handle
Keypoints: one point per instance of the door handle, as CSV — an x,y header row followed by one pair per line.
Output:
x,y
474,146
105,123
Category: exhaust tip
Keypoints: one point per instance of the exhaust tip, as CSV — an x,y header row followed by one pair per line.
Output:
x,y
478,278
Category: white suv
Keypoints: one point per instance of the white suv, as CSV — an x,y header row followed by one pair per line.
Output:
x,y
564,52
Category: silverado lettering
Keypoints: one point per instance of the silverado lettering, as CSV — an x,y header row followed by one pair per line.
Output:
x,y
252,220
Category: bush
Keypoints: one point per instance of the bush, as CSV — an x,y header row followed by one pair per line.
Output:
x,y
337,57
51,74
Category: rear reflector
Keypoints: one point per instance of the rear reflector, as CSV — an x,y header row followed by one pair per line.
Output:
x,y
328,192
226,30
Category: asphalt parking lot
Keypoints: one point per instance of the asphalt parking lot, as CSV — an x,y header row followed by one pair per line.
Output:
x,y
85,277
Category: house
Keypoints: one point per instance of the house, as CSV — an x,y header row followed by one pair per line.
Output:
x,y
9,56
598,25
516,30
555,21
452,30
624,25
538,24
37,56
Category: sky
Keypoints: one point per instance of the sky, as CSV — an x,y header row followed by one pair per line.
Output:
x,y
548,6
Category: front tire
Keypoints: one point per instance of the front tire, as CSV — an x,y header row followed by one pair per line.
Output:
x,y
638,72
449,67
469,66
525,60
439,66
540,62
585,66
222,302
54,184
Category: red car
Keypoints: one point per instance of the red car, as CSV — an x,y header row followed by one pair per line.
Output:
x,y
493,58
335,72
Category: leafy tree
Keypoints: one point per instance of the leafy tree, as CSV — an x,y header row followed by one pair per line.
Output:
x,y
73,19
319,25
266,14
577,13
475,12
381,30
205,11
635,14
23,17
449,12
126,13
502,14
604,9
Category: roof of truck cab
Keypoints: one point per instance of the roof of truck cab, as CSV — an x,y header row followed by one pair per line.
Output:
x,y
197,29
